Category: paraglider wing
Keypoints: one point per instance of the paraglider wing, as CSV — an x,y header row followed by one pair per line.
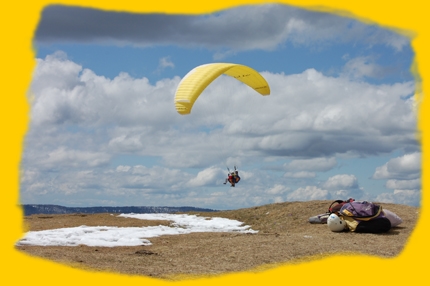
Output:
x,y
193,84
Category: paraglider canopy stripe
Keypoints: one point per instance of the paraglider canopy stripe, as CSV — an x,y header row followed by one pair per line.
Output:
x,y
193,83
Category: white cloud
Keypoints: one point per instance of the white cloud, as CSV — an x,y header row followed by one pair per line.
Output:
x,y
73,158
164,63
339,182
407,166
314,164
308,193
296,121
404,184
56,72
277,190
403,177
94,100
123,168
364,66
406,197
85,122
298,175
208,176
126,143
140,177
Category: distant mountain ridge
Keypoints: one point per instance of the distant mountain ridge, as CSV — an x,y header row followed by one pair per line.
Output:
x,y
56,209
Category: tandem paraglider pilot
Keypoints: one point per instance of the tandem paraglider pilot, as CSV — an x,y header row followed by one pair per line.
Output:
x,y
232,177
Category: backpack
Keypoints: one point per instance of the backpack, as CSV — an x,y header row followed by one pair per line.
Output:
x,y
339,203
365,217
333,208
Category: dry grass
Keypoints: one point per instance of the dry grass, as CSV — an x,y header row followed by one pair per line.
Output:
x,y
285,236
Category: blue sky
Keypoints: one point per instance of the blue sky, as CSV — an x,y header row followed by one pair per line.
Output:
x,y
339,122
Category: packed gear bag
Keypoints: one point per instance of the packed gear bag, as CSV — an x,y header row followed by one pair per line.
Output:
x,y
333,208
337,205
366,217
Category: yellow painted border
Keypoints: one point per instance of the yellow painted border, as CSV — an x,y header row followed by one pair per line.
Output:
x,y
18,23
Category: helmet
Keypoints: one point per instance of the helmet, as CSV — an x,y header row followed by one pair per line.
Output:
x,y
335,223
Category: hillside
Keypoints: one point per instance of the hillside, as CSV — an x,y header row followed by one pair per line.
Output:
x,y
284,236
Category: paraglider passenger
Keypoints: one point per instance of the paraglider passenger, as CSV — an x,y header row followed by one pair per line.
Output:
x,y
232,177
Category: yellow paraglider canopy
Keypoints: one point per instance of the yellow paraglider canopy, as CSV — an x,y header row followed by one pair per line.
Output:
x,y
193,84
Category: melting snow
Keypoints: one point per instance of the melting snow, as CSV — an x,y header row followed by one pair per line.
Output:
x,y
131,236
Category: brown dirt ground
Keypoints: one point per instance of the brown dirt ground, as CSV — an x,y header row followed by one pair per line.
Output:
x,y
285,236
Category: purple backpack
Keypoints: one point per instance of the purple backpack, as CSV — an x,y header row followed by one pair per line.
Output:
x,y
365,217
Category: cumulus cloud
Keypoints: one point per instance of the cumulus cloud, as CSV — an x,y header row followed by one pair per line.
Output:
x,y
119,140
403,175
406,197
407,166
208,176
81,122
88,99
404,184
343,186
277,190
308,193
57,72
73,158
342,181
136,116
125,143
